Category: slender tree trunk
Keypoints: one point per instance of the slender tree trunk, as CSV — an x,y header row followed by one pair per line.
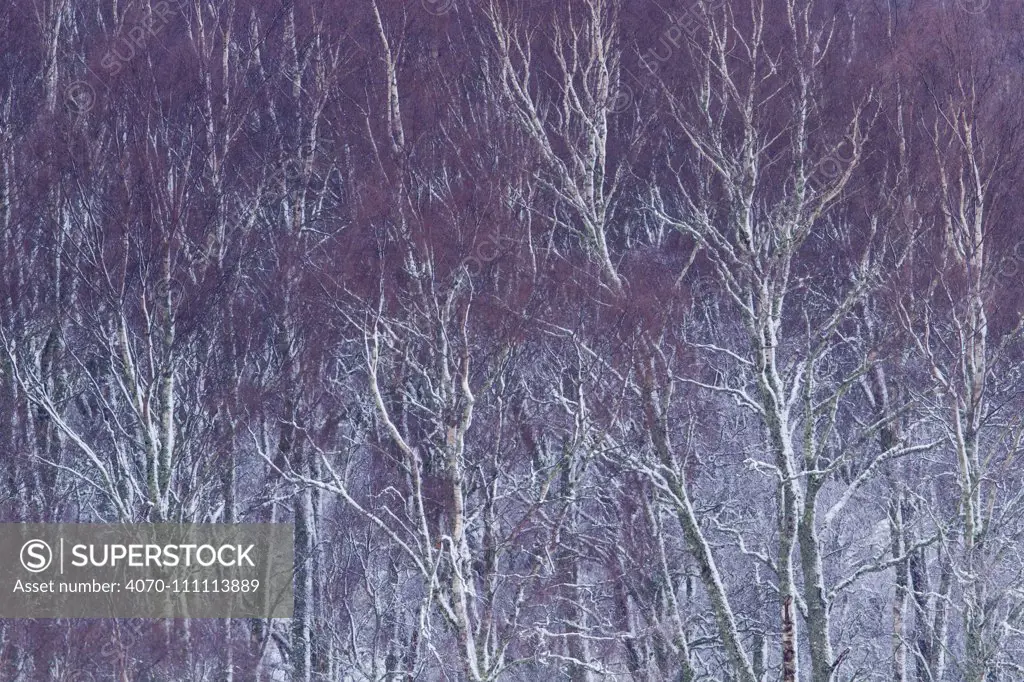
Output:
x,y
918,572
695,541
776,421
941,627
899,604
569,572
814,585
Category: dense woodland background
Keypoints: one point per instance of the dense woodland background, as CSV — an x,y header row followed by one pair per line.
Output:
x,y
579,339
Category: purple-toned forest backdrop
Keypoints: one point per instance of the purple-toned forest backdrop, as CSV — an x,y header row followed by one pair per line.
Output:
x,y
579,339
